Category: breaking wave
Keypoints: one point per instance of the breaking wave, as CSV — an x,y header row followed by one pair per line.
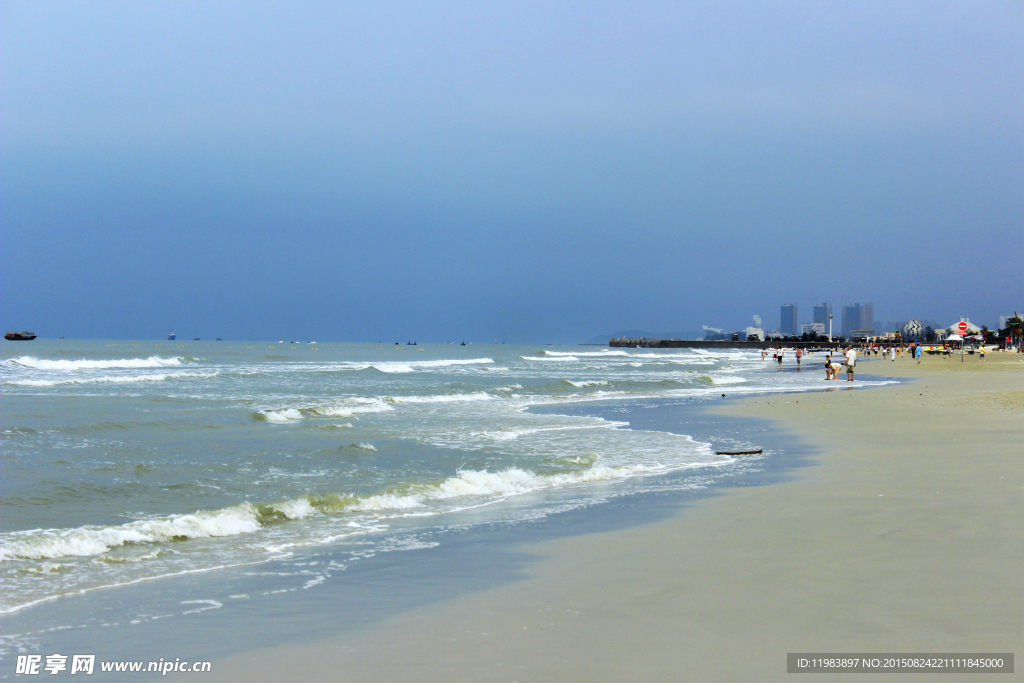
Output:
x,y
151,362
112,379
247,518
442,398
279,416
563,354
353,406
422,365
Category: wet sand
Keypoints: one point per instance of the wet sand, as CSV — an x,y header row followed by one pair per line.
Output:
x,y
905,536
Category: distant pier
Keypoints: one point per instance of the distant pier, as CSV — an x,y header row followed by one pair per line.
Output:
x,y
644,343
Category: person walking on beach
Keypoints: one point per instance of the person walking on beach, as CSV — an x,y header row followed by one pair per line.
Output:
x,y
780,357
763,354
917,352
851,360
799,353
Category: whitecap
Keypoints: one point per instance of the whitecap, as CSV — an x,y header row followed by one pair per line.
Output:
x,y
43,364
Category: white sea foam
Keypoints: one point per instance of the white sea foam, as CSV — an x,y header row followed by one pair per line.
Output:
x,y
365,446
245,518
43,364
727,380
279,416
112,379
604,354
442,398
354,406
509,434
231,521
295,508
426,365
557,359
393,367
587,383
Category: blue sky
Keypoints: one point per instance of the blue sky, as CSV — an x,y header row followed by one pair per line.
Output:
x,y
525,171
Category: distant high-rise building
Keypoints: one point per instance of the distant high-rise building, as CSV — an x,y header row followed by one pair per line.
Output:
x,y
858,317
788,323
755,330
867,317
822,312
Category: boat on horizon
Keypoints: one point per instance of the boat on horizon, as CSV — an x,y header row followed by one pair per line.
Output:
x,y
20,336
171,336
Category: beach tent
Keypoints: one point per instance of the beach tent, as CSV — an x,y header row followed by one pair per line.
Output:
x,y
954,337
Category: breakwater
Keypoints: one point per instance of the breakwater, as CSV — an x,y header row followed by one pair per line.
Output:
x,y
644,343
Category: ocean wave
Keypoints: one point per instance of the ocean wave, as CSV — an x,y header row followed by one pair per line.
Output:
x,y
353,406
247,518
279,416
562,354
422,365
42,364
89,540
727,380
477,483
568,358
111,379
442,398
509,434
586,383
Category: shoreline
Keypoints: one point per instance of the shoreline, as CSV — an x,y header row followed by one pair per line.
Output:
x,y
474,555
896,541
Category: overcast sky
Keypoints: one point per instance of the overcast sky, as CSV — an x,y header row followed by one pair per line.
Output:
x,y
531,171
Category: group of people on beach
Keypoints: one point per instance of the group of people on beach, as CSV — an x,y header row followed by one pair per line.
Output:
x,y
849,362
831,369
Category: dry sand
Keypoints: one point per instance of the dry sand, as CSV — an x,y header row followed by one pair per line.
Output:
x,y
905,537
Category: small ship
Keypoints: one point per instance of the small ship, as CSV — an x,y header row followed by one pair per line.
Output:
x,y
20,336
171,336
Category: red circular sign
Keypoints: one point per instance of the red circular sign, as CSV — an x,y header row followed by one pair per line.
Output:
x,y
962,326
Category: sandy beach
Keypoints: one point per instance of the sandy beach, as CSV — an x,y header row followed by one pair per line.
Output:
x,y
905,536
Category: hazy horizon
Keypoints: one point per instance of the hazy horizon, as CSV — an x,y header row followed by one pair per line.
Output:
x,y
529,172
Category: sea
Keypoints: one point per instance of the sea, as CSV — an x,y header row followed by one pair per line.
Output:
x,y
131,463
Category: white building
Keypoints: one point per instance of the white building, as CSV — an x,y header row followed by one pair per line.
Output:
x,y
816,328
971,327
